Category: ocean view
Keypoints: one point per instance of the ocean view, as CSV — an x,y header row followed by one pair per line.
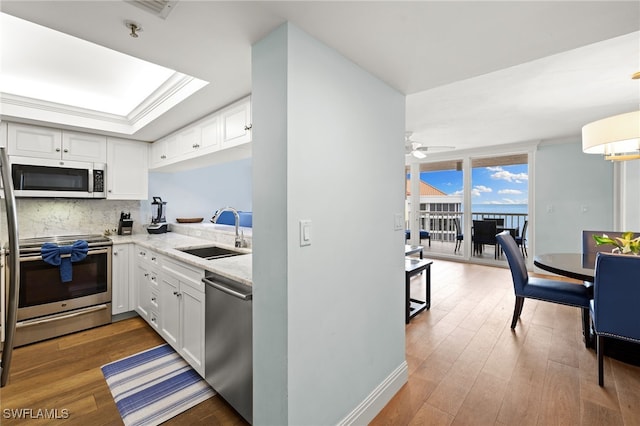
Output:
x,y
500,208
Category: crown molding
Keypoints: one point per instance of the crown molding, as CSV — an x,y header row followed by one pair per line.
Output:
x,y
176,89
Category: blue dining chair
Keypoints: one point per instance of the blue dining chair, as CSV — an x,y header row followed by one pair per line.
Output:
x,y
424,235
545,289
616,301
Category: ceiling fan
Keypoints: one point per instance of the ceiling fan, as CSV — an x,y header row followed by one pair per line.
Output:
x,y
417,149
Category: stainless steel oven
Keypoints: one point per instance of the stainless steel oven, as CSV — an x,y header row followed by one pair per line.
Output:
x,y
49,307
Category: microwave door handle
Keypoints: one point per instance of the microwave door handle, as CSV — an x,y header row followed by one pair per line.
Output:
x,y
91,178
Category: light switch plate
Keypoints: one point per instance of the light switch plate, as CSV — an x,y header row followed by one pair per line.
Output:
x,y
398,222
305,232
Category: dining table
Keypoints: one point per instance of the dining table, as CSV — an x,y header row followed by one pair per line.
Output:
x,y
572,265
581,266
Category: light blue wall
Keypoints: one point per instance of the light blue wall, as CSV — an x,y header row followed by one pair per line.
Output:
x,y
573,192
329,333
200,192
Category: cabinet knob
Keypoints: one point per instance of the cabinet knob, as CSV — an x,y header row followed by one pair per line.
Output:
x,y
57,149
115,253
162,157
153,258
175,293
248,126
146,275
65,150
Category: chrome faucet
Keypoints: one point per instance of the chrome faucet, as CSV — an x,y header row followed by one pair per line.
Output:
x,y
239,240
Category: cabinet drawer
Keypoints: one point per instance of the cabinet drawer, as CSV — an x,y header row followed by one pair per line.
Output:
x,y
154,320
155,300
186,273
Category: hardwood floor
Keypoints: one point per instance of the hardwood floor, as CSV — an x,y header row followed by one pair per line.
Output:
x,y
64,374
466,366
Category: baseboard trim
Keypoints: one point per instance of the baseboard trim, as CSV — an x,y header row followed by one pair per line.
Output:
x,y
365,412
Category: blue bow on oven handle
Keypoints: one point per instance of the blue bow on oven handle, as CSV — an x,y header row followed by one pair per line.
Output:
x,y
53,255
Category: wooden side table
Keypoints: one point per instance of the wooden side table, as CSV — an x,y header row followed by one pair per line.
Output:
x,y
412,267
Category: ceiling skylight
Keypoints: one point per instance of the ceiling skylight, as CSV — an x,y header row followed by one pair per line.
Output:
x,y
48,73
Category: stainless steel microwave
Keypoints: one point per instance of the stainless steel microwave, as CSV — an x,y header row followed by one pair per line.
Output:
x,y
41,177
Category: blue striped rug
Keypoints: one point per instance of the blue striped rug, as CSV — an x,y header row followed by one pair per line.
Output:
x,y
153,386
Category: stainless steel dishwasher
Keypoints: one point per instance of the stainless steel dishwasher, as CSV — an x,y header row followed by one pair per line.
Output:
x,y
228,341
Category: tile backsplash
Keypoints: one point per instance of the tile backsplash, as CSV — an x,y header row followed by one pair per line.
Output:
x,y
44,216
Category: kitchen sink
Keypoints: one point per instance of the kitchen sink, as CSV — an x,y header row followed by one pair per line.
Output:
x,y
211,252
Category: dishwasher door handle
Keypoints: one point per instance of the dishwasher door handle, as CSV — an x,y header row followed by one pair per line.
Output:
x,y
228,290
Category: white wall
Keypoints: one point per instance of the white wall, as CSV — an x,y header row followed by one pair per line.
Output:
x,y
329,317
200,192
573,192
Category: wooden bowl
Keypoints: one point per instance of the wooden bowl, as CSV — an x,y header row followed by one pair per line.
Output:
x,y
189,219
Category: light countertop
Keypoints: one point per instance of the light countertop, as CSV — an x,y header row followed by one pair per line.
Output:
x,y
235,267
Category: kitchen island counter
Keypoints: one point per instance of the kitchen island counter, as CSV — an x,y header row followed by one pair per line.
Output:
x,y
237,268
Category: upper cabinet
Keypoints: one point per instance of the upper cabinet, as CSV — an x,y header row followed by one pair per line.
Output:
x,y
206,141
127,172
235,123
43,142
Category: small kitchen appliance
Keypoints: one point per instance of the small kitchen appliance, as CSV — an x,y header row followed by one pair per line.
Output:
x,y
158,222
125,225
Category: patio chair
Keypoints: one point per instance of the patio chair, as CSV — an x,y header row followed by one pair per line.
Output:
x,y
484,232
459,235
548,290
616,301
499,220
522,239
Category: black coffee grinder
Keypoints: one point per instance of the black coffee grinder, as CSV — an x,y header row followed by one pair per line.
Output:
x,y
158,222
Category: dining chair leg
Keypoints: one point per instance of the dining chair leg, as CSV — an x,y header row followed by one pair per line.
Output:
x,y
586,327
517,310
599,350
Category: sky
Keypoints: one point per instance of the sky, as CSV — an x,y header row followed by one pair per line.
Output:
x,y
490,185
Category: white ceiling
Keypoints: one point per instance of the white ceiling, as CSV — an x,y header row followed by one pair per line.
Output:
x,y
475,73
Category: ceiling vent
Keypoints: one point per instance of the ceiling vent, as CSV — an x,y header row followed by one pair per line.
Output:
x,y
160,8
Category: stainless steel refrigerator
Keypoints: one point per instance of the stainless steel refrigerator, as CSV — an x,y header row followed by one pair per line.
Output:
x,y
13,265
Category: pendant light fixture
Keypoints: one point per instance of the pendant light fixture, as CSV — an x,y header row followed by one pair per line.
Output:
x,y
617,137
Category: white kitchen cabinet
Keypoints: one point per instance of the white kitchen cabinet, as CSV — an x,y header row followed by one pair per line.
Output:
x,y
127,170
34,141
205,142
120,278
158,153
182,311
147,303
235,123
43,142
210,133
84,147
187,143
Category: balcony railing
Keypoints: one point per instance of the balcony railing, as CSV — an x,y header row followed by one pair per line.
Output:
x,y
441,225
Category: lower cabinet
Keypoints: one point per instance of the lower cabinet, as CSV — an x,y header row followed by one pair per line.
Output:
x,y
147,300
120,278
182,305
170,297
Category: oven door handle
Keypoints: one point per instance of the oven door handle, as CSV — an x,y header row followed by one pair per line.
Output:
x,y
58,317
89,253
